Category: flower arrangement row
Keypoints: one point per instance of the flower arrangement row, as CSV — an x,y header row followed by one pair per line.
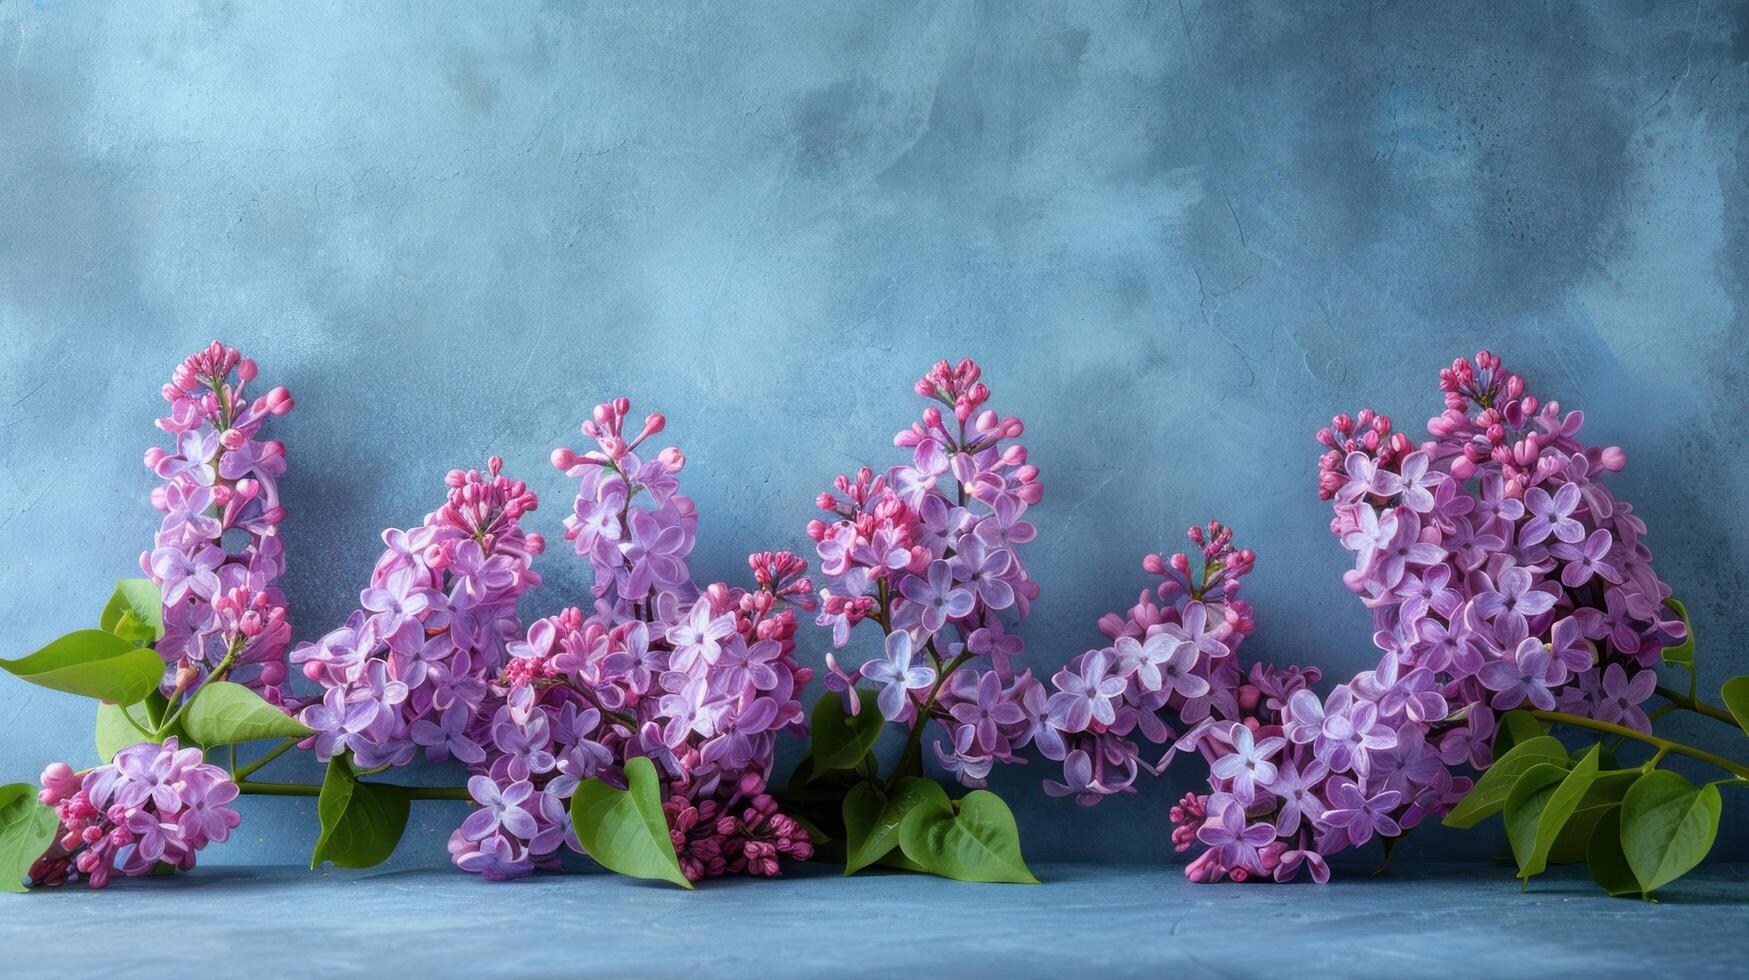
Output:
x,y
1520,623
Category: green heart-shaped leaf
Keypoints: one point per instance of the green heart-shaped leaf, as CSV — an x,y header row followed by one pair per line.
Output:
x,y
93,664
1574,841
979,843
1516,727
1605,860
872,824
1667,827
135,611
1552,809
625,830
27,828
1488,797
840,739
1525,803
1735,693
223,713
361,822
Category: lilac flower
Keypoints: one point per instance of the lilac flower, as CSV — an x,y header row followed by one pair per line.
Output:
x,y
885,550
699,637
1428,592
1360,815
936,542
1077,780
744,664
1343,734
1402,549
448,736
1162,663
655,552
1615,622
1363,477
152,836
1192,629
524,746
1551,514
1445,647
1293,860
1371,533
187,513
1473,743
1247,765
688,712
1514,598
1618,699
339,724
205,816
1085,697
148,774
478,575
1569,646
1526,676
208,556
499,809
1233,838
985,572
1587,560
989,709
937,599
398,608
1296,790
180,573
410,667
735,734
1411,480
195,451
494,857
898,675
1416,695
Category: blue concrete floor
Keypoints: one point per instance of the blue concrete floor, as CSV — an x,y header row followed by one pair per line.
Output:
x,y
1087,920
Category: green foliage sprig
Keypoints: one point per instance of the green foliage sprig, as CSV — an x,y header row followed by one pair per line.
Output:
x,y
1637,827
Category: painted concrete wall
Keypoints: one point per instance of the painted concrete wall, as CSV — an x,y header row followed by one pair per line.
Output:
x,y
1179,235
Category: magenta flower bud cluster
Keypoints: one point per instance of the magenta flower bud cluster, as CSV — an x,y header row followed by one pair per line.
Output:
x,y
936,541
1173,652
409,671
700,681
154,804
220,605
738,830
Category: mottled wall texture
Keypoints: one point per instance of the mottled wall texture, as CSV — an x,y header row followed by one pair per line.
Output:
x,y
1180,236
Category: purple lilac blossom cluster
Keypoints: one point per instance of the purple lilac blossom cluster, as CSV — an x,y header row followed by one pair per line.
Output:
x,y
410,670
222,613
1501,572
930,551
1286,789
700,681
154,804
1174,651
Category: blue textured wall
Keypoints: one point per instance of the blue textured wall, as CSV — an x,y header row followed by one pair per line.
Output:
x,y
1179,235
